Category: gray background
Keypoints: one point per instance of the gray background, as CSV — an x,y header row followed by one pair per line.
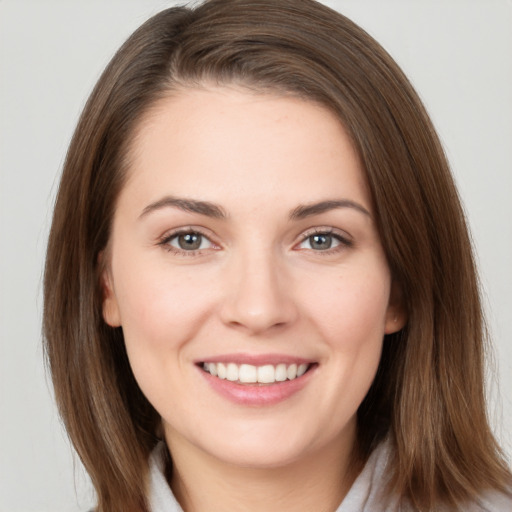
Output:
x,y
457,53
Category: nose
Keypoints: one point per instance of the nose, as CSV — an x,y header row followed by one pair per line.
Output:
x,y
258,295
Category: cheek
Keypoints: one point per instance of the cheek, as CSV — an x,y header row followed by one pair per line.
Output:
x,y
351,308
161,314
161,308
351,319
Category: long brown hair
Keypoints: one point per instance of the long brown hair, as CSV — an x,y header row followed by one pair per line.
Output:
x,y
428,396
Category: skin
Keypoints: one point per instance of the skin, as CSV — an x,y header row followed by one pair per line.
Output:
x,y
258,285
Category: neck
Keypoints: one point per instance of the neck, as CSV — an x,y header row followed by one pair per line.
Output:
x,y
319,481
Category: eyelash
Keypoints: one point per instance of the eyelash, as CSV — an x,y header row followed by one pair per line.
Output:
x,y
164,242
344,242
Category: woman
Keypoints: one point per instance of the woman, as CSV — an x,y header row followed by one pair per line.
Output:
x,y
259,289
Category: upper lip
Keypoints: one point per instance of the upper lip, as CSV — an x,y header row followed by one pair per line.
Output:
x,y
255,359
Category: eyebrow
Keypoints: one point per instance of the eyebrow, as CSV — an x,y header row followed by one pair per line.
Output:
x,y
308,210
187,205
217,212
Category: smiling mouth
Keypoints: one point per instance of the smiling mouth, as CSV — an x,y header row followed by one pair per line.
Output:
x,y
250,374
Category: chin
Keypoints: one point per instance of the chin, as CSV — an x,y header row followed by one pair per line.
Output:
x,y
267,443
258,456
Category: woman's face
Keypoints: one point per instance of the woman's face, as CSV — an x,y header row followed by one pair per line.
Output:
x,y
248,277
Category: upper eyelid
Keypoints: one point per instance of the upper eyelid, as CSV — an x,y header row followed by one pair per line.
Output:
x,y
327,230
171,233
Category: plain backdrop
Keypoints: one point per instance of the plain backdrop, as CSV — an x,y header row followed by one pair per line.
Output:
x,y
458,54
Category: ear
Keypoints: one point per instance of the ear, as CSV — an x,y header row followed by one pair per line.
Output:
x,y
396,315
111,313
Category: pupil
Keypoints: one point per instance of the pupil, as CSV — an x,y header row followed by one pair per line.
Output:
x,y
321,242
190,241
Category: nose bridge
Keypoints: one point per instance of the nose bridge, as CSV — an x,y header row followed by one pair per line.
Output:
x,y
258,296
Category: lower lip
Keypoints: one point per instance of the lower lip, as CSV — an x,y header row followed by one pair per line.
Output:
x,y
257,394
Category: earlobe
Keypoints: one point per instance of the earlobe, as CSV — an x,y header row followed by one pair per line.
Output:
x,y
395,323
396,316
110,308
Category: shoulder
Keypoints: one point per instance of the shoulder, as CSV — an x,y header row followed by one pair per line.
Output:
x,y
493,501
369,493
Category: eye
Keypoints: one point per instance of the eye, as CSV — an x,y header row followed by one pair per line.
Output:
x,y
320,242
324,241
187,241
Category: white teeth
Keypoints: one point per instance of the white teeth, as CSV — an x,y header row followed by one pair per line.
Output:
x,y
247,373
221,370
232,372
301,370
266,374
291,372
280,372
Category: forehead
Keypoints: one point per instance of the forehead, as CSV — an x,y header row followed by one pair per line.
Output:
x,y
211,141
